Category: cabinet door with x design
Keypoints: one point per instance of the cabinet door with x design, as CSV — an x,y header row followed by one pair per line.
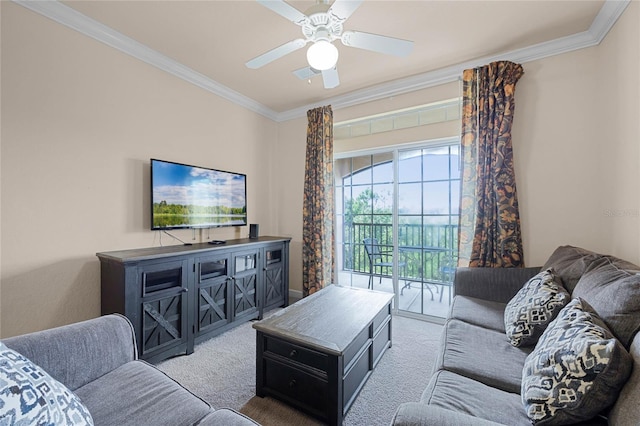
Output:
x,y
213,287
246,290
163,308
275,276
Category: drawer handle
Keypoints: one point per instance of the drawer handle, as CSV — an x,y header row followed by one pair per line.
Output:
x,y
293,354
292,383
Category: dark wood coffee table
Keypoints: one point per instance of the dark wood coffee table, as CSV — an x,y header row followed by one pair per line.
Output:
x,y
317,353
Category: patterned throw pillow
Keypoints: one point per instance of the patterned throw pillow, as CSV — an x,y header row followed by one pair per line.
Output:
x,y
575,371
30,396
534,306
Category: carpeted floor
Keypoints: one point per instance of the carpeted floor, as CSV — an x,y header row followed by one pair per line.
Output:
x,y
222,372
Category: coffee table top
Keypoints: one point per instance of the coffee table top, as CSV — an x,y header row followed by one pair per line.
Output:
x,y
328,320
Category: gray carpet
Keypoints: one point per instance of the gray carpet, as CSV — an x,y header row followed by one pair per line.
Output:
x,y
222,372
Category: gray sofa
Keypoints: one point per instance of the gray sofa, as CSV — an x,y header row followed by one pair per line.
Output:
x,y
97,360
477,376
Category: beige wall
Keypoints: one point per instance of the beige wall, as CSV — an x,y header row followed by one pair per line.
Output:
x,y
575,138
557,153
80,122
618,126
288,166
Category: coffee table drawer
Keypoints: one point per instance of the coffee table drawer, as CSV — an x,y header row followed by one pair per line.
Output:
x,y
381,341
381,317
296,353
354,379
296,385
354,348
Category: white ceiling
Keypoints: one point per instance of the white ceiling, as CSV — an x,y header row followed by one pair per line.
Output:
x,y
211,41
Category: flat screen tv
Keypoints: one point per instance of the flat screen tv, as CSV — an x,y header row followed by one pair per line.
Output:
x,y
184,196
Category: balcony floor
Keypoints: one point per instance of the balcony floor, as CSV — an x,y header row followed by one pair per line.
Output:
x,y
413,299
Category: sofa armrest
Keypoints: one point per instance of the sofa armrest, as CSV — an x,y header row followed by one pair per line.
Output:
x,y
419,414
495,284
79,353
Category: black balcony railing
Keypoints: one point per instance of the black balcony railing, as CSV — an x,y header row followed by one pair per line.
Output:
x,y
429,251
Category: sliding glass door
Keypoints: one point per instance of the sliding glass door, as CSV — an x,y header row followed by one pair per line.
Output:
x,y
428,202
397,221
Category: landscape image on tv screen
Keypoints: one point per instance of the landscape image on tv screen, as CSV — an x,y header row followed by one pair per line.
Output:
x,y
184,196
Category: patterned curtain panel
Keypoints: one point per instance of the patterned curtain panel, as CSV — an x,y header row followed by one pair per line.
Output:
x,y
489,232
318,245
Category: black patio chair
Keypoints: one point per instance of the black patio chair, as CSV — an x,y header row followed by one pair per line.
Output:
x,y
379,259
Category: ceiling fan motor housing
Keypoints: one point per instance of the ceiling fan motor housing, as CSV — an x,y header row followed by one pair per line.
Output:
x,y
321,25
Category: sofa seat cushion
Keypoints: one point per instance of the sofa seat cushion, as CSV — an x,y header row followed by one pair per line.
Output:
x,y
612,287
481,354
462,394
416,413
138,394
535,305
484,313
576,370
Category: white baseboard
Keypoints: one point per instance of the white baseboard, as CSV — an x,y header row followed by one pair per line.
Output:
x,y
295,294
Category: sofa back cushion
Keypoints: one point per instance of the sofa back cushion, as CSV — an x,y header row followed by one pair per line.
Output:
x,y
570,263
79,353
612,287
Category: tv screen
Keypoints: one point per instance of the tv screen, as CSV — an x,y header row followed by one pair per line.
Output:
x,y
184,196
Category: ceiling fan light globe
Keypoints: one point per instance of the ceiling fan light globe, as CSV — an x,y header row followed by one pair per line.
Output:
x,y
322,55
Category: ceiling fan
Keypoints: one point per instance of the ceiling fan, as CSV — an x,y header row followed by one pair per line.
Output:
x,y
322,24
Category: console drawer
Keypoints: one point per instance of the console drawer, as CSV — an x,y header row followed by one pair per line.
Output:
x,y
297,385
296,353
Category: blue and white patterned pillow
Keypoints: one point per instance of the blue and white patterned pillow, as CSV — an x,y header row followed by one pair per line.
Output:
x,y
30,396
575,371
535,305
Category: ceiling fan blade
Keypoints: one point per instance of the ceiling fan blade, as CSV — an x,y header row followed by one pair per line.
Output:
x,y
377,43
306,73
342,9
276,53
285,10
330,78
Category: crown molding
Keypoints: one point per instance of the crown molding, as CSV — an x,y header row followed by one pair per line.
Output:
x,y
65,15
73,19
607,17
